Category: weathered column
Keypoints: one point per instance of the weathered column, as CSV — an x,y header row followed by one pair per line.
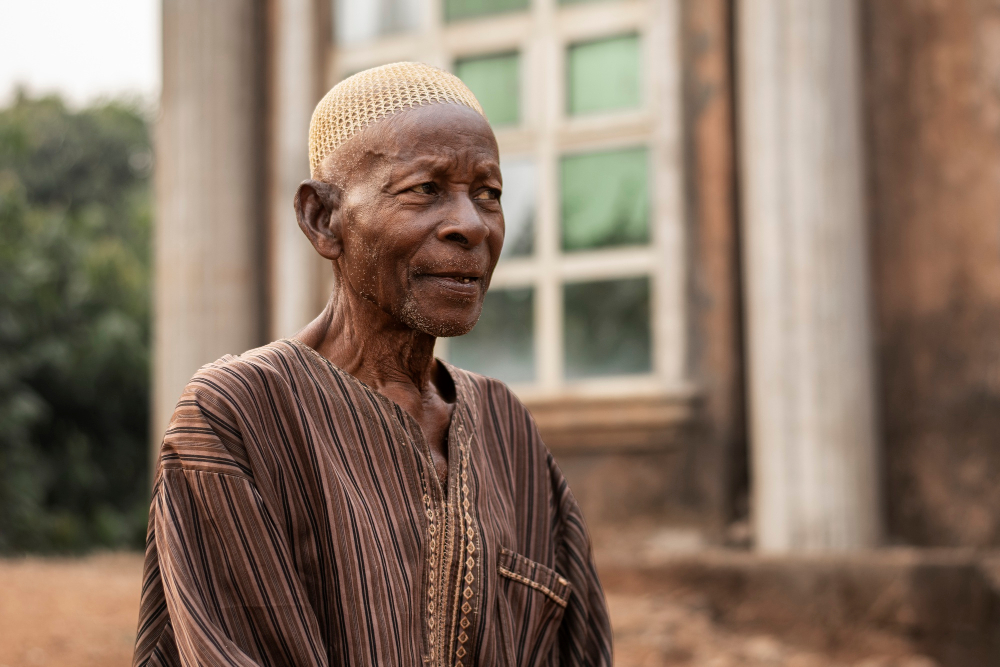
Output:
x,y
297,83
812,416
209,186
716,361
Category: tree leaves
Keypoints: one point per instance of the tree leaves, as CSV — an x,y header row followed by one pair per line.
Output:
x,y
75,224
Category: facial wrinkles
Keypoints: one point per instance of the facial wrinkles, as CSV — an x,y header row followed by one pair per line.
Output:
x,y
375,168
378,145
340,169
387,180
361,205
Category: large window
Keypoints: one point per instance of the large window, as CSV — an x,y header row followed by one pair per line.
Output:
x,y
583,96
496,83
604,74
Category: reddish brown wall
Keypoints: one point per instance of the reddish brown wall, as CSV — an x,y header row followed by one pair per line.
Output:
x,y
933,95
715,481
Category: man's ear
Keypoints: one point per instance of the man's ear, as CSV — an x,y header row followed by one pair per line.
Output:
x,y
317,208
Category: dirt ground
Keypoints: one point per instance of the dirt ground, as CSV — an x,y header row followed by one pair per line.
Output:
x,y
657,632
83,613
69,612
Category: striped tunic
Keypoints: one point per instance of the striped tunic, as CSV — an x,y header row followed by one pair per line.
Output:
x,y
297,519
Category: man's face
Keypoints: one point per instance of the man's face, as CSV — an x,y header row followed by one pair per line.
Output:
x,y
421,220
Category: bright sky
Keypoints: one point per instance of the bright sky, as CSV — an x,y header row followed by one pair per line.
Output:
x,y
84,49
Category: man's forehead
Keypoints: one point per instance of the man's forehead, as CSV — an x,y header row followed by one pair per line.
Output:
x,y
430,137
448,125
419,160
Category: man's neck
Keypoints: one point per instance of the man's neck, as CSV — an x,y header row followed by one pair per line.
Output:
x,y
395,360
373,346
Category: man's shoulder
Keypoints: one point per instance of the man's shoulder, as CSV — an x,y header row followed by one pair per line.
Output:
x,y
207,430
271,356
244,375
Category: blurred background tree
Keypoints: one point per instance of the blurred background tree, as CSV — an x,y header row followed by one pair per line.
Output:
x,y
75,225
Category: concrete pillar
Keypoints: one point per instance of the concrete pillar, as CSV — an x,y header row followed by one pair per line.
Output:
x,y
812,414
296,51
209,191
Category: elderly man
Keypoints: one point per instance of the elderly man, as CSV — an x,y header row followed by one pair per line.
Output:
x,y
342,497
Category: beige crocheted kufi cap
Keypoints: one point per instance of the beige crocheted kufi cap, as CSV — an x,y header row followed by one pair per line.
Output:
x,y
374,94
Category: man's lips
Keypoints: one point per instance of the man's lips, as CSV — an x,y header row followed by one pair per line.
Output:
x,y
460,278
460,283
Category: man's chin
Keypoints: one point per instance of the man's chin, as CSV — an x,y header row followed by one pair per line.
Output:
x,y
447,330
437,325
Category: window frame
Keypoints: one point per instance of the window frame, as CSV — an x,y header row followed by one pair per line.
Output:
x,y
542,35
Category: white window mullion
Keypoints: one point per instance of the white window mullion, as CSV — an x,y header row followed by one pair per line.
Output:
x,y
544,82
668,309
433,51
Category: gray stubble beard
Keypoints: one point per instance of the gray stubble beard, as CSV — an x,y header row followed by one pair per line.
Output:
x,y
411,316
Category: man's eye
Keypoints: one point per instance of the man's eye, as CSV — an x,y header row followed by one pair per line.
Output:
x,y
424,189
488,193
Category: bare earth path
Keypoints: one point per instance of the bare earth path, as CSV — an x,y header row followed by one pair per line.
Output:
x,y
79,612
82,613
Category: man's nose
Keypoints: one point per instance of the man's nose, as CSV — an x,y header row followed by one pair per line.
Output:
x,y
464,222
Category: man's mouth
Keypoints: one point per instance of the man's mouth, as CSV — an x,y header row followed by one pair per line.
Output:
x,y
463,278
463,284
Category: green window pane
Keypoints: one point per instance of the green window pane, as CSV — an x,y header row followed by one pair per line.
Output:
x,y
604,75
455,10
519,201
607,328
502,344
495,82
605,199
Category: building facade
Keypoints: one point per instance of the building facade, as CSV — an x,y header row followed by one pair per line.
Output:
x,y
721,292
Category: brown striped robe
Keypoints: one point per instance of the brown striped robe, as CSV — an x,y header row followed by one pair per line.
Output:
x,y
297,520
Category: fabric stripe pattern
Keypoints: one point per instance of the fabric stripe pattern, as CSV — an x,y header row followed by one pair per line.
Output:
x,y
297,519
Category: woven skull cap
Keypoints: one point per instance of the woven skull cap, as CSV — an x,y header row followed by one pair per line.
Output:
x,y
377,93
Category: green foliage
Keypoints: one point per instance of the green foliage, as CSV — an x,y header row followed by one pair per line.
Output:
x,y
75,224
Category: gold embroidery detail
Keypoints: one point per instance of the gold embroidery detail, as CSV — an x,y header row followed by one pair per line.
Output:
x,y
470,548
431,573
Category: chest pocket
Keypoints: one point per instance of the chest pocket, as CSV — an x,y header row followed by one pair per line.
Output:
x,y
532,602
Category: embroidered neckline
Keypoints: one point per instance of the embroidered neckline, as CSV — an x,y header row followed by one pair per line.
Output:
x,y
447,523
